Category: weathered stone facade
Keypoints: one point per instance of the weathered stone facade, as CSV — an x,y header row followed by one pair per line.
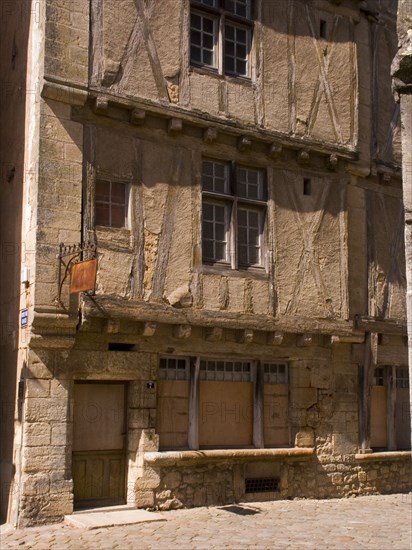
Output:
x,y
295,356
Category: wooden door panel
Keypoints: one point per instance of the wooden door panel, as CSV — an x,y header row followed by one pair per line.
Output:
x,y
99,444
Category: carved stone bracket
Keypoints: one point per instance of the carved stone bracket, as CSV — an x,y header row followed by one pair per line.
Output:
x,y
275,338
275,151
303,157
137,117
303,340
244,144
175,126
210,135
182,331
149,329
101,106
246,336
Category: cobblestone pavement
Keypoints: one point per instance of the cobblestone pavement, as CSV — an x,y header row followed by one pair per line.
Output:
x,y
379,522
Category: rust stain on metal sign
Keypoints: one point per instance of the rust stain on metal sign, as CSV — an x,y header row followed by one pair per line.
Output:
x,y
83,276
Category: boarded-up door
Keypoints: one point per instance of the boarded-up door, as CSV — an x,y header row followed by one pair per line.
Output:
x,y
99,444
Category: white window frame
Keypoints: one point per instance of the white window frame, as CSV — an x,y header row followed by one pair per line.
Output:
x,y
126,205
224,17
233,202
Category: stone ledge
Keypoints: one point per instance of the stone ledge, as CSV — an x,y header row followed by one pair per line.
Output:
x,y
386,455
182,458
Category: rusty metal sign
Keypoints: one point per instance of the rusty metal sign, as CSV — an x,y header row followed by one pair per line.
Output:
x,y
83,276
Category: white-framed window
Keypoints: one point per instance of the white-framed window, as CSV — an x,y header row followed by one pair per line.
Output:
x,y
231,403
111,203
221,35
233,214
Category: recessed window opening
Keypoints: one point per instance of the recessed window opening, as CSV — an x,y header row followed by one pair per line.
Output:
x,y
221,36
307,186
322,28
117,346
111,203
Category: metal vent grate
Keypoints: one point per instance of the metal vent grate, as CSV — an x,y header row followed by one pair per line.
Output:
x,y
261,485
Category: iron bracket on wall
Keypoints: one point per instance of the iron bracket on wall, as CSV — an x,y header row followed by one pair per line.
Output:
x,y
74,253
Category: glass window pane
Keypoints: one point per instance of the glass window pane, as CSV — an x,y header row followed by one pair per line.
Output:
x,y
230,49
207,228
207,57
241,217
195,21
229,64
118,217
207,250
253,255
220,251
195,54
208,25
219,213
195,38
102,192
118,192
242,251
208,43
207,168
253,218
241,67
229,32
102,216
220,232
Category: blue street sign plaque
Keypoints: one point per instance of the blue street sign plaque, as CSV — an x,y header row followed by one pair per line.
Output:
x,y
24,317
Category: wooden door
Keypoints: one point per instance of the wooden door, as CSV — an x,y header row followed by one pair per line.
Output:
x,y
99,444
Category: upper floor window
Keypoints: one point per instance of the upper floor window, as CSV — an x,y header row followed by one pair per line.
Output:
x,y
110,203
233,214
221,35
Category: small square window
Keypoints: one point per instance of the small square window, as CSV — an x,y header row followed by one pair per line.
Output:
x,y
110,204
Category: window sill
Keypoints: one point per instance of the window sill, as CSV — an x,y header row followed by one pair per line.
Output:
x,y
211,71
182,458
384,455
252,272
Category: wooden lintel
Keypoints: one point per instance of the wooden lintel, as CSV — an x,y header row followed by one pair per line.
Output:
x,y
275,338
213,334
175,126
303,340
210,135
101,105
137,117
149,329
182,331
375,325
244,143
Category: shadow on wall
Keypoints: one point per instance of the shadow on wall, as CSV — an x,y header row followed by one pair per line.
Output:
x,y
15,20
